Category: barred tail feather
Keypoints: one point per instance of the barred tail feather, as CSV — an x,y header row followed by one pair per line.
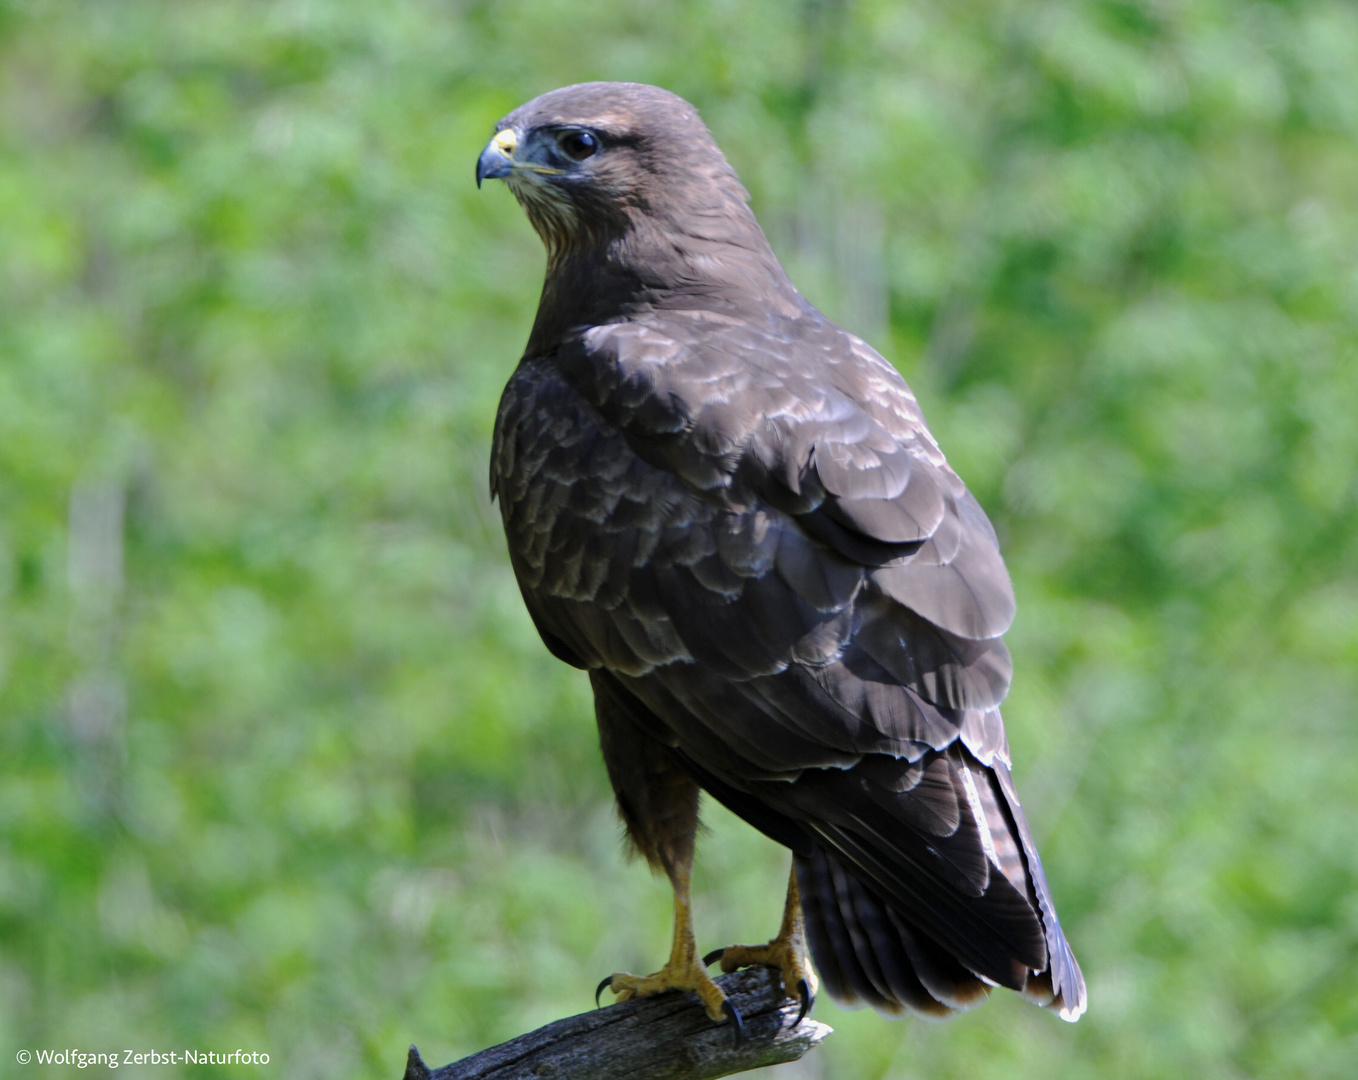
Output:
x,y
868,953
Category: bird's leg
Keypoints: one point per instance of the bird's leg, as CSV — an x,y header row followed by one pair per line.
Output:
x,y
786,952
684,971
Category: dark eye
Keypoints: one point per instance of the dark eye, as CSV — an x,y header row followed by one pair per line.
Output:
x,y
578,145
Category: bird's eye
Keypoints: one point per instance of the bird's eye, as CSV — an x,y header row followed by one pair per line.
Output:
x,y
578,145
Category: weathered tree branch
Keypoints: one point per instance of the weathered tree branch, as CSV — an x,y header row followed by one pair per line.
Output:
x,y
661,1038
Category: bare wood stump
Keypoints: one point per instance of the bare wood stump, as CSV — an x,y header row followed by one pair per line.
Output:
x,y
661,1038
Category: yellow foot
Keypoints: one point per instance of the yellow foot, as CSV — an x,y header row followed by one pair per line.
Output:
x,y
684,975
782,953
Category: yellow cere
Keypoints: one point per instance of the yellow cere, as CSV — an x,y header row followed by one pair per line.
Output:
x,y
506,141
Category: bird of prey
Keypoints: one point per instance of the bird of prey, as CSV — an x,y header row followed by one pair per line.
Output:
x,y
730,513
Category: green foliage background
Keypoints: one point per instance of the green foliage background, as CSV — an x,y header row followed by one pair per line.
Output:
x,y
283,765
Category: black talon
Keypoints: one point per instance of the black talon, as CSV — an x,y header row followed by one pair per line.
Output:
x,y
600,989
715,954
804,996
734,1013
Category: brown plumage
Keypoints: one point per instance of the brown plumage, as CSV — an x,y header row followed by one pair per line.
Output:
x,y
731,512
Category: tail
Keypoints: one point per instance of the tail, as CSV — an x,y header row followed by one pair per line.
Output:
x,y
868,952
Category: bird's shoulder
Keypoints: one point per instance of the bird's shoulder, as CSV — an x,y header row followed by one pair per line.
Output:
x,y
708,370
721,395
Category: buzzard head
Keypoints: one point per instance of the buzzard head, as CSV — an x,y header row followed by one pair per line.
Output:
x,y
597,163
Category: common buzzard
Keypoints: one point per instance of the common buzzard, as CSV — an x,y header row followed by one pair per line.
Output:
x,y
730,512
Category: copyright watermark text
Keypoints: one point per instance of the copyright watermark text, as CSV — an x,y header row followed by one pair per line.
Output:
x,y
111,1059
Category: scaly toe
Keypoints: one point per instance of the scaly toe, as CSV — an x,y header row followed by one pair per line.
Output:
x,y
686,976
799,981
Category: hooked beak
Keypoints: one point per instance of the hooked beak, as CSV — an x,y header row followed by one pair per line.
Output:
x,y
497,159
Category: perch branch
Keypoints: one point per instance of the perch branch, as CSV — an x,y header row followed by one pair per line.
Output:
x,y
661,1038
